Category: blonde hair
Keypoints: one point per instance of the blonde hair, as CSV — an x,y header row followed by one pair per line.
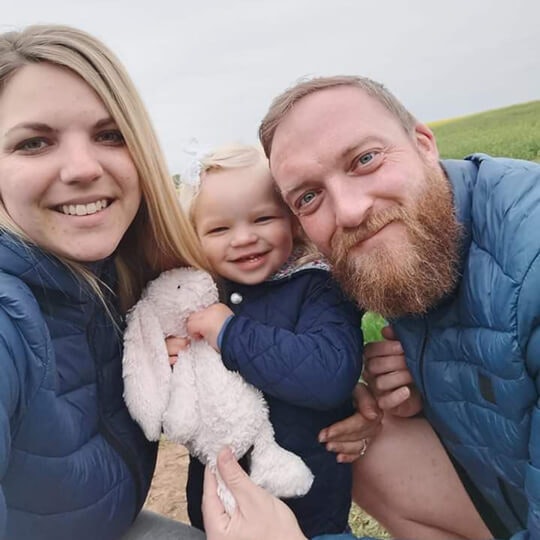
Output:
x,y
159,237
240,156
283,104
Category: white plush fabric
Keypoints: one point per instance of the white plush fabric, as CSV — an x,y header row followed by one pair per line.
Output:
x,y
199,403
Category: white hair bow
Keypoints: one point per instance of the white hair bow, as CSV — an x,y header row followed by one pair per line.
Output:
x,y
190,173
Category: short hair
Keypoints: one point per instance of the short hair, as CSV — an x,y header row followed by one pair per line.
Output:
x,y
158,238
284,103
240,156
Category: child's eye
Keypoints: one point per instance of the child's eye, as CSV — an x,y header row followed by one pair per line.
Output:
x,y
264,219
32,146
217,230
112,137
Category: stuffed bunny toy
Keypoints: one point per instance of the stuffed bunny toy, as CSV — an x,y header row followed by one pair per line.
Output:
x,y
199,403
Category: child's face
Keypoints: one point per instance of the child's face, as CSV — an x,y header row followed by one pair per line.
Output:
x,y
244,227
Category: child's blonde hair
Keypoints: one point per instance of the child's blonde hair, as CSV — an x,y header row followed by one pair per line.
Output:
x,y
241,156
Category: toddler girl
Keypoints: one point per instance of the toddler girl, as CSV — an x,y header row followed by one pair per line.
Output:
x,y
284,324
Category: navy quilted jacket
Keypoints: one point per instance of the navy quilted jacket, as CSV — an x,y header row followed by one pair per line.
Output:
x,y
73,465
299,341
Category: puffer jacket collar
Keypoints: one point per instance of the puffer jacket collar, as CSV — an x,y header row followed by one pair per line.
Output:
x,y
41,270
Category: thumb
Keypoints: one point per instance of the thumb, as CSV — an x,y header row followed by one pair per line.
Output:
x,y
233,476
388,333
214,515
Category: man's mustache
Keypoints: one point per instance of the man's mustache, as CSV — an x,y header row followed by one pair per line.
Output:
x,y
344,240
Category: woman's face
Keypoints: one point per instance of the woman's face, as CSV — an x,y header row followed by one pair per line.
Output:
x,y
66,176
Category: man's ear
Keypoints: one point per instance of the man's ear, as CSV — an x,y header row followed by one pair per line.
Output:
x,y
426,143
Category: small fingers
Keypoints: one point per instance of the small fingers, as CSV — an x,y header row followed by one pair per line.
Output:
x,y
393,399
391,381
176,344
382,348
384,364
388,333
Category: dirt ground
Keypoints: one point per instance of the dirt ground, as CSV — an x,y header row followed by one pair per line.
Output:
x,y
167,494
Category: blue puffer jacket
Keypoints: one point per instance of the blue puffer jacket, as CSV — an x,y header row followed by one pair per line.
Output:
x,y
476,358
299,341
72,462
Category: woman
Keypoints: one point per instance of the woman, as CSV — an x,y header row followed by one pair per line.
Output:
x,y
87,216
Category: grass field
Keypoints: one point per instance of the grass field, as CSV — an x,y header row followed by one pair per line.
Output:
x,y
510,132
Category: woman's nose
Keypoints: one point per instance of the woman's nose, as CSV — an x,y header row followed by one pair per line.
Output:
x,y
80,163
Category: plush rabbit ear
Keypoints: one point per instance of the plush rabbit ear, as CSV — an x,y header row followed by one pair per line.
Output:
x,y
146,369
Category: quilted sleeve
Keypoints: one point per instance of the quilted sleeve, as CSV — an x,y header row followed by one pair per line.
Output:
x,y
9,397
316,365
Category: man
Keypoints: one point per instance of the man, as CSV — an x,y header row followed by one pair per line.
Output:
x,y
449,251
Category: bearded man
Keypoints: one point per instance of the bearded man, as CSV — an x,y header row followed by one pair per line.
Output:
x,y
449,252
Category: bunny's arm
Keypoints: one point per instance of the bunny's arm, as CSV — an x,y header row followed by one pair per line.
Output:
x,y
316,364
146,369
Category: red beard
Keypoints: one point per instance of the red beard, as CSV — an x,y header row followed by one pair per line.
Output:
x,y
409,278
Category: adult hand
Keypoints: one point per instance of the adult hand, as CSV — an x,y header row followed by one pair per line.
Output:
x,y
174,346
387,375
257,514
207,323
349,437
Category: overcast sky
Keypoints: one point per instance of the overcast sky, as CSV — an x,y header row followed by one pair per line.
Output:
x,y
209,68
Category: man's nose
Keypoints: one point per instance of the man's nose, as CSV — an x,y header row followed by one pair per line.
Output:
x,y
350,201
80,162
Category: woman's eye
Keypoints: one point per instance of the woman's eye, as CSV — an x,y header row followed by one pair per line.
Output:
x,y
33,145
112,136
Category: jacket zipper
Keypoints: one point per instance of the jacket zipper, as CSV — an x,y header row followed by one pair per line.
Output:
x,y
421,361
109,436
504,492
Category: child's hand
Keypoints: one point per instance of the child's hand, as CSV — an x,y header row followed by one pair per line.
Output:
x,y
207,323
174,346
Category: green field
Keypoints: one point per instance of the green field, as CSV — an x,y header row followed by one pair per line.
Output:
x,y
510,132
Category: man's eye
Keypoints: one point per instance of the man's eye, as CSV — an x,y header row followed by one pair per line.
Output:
x,y
306,198
33,145
365,158
113,137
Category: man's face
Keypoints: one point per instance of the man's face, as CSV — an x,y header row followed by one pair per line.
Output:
x,y
371,196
